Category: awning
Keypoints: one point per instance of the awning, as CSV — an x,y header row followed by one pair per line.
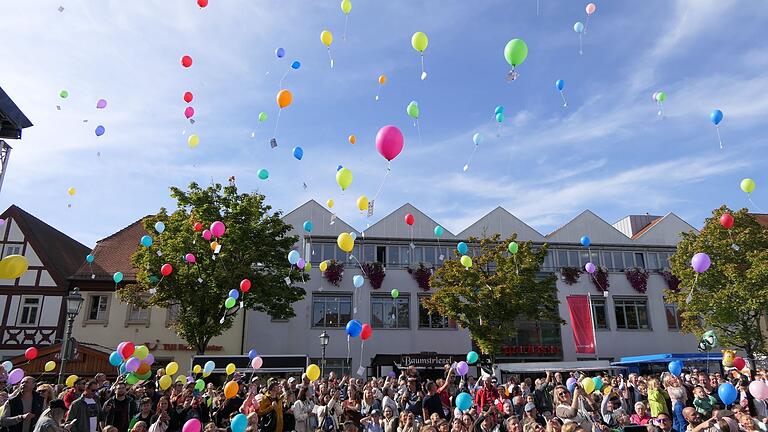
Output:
x,y
590,365
666,358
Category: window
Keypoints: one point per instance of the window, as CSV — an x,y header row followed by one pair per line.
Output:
x,y
172,315
137,315
97,308
429,255
432,320
418,255
12,250
583,258
631,313
549,261
339,365
328,252
381,254
652,259
674,319
573,258
599,313
562,258
30,310
639,261
387,312
629,261
405,255
331,310
618,261
369,253
394,255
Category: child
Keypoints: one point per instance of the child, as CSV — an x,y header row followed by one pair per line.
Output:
x,y
702,401
657,398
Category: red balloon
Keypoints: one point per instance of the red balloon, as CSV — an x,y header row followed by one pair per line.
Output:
x,y
166,269
127,350
245,285
188,97
30,354
739,363
366,332
186,61
726,220
197,226
202,3
409,219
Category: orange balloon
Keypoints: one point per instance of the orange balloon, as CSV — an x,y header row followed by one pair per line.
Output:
x,y
284,98
382,79
214,245
230,390
352,139
143,369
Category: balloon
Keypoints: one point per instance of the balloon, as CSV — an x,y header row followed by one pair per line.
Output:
x,y
409,219
70,382
117,277
284,98
472,357
89,258
218,228
499,110
588,385
747,185
515,52
295,65
188,97
716,116
307,225
189,112
143,369
739,363
193,424
366,332
500,117
166,269
234,294
352,139
190,258
230,390
560,84
209,366
202,3
13,266
101,104
419,41
382,79
171,368
477,138
99,130
7,366
513,247
146,241
326,38
127,350
186,61
323,266
462,248
230,369
726,220
571,384
30,353
578,28
585,241
413,109
141,352
197,227
466,261
257,362
238,423
298,153
462,368
329,203
252,354
354,328
159,227
439,231
661,96
389,142
200,385
362,203
591,8
115,359
358,281
353,235
262,116
301,263
132,364
726,391
293,257
590,268
165,382
344,178
758,389
193,141
280,52
345,242
229,303
214,246
395,293
149,359
700,262
313,372
463,401
263,174
15,376
49,366
346,6
64,94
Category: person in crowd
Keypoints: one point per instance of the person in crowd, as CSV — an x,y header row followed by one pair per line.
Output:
x,y
85,411
23,409
486,395
139,426
657,398
75,392
703,401
302,411
407,422
162,417
678,397
432,403
571,408
271,408
52,419
119,409
46,392
532,415
373,422
663,421
144,414
641,415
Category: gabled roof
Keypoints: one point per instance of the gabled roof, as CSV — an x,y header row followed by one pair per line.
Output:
x,y
633,224
761,218
113,254
393,225
502,222
12,120
663,231
591,225
321,221
60,254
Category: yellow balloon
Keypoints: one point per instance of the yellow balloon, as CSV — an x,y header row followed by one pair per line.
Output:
x,y
346,6
313,372
71,380
206,374
326,38
165,382
71,191
466,261
344,178
329,203
13,266
197,369
324,266
172,368
588,385
50,365
141,352
193,141
419,41
230,369
345,242
362,203
181,378
607,390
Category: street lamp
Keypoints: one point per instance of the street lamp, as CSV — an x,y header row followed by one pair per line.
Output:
x,y
74,303
324,339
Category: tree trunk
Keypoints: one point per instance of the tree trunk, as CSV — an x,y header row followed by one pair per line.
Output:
x,y
750,357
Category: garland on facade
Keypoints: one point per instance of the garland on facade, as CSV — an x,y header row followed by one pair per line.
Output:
x,y
600,279
375,273
570,274
334,273
638,278
421,275
673,283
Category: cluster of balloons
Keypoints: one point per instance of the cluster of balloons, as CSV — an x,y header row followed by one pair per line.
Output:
x,y
294,258
135,361
355,328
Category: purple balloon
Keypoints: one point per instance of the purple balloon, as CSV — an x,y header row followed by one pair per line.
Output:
x,y
190,379
15,376
101,104
391,374
149,359
700,262
301,263
590,268
462,368
132,365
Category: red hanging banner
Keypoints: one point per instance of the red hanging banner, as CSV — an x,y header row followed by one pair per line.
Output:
x,y
581,323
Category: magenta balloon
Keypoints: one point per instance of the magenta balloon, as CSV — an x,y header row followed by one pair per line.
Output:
x,y
190,258
218,228
462,368
389,142
189,112
700,262
15,376
207,235
192,425
257,362
132,365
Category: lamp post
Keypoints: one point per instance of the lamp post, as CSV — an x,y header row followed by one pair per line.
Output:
x,y
74,303
324,339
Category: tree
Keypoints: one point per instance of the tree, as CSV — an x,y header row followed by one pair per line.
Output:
x,y
254,247
732,296
498,289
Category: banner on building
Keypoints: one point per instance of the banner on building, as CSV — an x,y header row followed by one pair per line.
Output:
x,y
581,323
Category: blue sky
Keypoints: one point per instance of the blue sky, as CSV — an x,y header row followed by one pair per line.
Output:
x,y
607,151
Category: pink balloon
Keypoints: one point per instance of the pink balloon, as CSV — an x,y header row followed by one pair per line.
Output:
x,y
190,258
101,104
189,112
257,362
218,228
389,142
207,234
758,389
15,376
192,425
591,8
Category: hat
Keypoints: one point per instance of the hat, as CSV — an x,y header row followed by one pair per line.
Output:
x,y
375,412
57,403
291,380
530,406
255,379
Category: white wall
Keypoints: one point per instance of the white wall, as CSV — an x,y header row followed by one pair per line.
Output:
x,y
51,311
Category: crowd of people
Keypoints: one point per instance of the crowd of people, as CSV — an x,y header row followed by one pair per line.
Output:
x,y
552,402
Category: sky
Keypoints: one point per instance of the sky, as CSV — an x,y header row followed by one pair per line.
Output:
x,y
607,151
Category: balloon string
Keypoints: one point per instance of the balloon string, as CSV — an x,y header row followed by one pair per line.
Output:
x,y
537,7
378,90
718,136
362,349
349,357
661,109
277,122
749,197
384,180
329,57
418,130
580,50
690,294
466,167
586,23
423,72
565,102
346,20
280,85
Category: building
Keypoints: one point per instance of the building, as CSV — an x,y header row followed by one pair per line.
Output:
x,y
12,122
105,320
628,322
31,305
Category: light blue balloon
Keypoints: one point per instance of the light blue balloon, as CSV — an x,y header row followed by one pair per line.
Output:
x,y
439,231
7,365
235,294
675,367
160,227
263,174
89,258
560,84
122,369
462,248
353,235
358,281
477,138
463,401
298,153
308,225
472,357
238,423
117,277
499,110
296,64
293,257
716,116
500,117
115,359
578,27
585,241
209,366
146,241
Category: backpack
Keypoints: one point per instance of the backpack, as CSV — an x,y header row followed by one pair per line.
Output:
x,y
327,424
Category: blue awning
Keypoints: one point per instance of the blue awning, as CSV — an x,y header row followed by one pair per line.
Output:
x,y
666,358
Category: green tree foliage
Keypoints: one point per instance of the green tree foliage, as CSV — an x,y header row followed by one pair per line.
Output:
x,y
498,289
732,296
254,247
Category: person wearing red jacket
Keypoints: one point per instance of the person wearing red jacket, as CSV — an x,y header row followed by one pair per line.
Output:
x,y
486,395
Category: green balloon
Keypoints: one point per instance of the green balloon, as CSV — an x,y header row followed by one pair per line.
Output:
x,y
146,376
515,52
131,378
64,94
262,116
199,385
263,174
395,293
661,96
230,303
413,109
307,267
512,248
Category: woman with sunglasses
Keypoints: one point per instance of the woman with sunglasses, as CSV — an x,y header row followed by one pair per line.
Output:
x,y
568,407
